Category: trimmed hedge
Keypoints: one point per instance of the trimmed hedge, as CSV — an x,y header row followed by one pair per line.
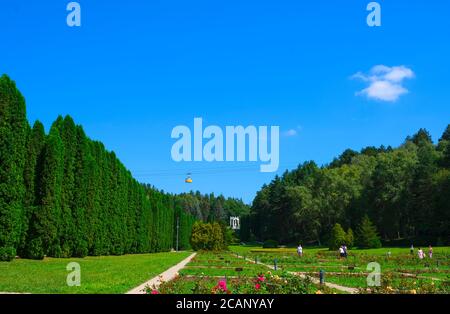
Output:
x,y
270,244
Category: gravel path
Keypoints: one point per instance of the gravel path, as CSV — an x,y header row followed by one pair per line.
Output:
x,y
165,276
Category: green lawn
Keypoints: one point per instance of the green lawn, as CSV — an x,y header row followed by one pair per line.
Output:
x,y
118,274
244,249
221,264
104,274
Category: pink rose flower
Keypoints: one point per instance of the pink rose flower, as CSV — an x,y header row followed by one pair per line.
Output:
x,y
223,285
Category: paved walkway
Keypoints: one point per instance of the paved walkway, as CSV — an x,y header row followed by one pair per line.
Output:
x,y
165,276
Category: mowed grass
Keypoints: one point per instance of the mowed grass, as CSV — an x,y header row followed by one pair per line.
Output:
x,y
103,274
221,264
243,249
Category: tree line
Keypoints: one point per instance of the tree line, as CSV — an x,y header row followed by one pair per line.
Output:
x,y
63,194
210,208
404,191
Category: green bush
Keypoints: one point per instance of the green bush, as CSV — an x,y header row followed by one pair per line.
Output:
x,y
7,254
207,236
338,237
368,235
350,239
35,250
81,249
229,235
270,244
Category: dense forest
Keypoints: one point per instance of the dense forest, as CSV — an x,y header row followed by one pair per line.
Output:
x,y
404,191
210,208
63,194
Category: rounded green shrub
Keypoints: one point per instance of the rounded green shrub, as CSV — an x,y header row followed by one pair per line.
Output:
x,y
270,244
7,254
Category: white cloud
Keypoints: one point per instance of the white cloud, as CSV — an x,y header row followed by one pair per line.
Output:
x,y
293,132
384,90
385,83
290,132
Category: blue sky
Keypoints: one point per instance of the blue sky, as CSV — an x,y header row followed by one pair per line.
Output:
x,y
136,69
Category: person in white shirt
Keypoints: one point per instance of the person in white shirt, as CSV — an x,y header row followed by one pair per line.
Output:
x,y
344,247
341,252
420,253
300,250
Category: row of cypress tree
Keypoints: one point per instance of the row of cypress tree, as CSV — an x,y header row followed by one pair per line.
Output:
x,y
63,195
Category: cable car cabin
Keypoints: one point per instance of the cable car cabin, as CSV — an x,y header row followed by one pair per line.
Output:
x,y
188,180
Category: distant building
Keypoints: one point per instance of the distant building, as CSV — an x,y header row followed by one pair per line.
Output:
x,y
235,223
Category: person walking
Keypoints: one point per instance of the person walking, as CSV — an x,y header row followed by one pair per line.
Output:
x,y
411,250
420,253
344,247
300,250
430,251
341,252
